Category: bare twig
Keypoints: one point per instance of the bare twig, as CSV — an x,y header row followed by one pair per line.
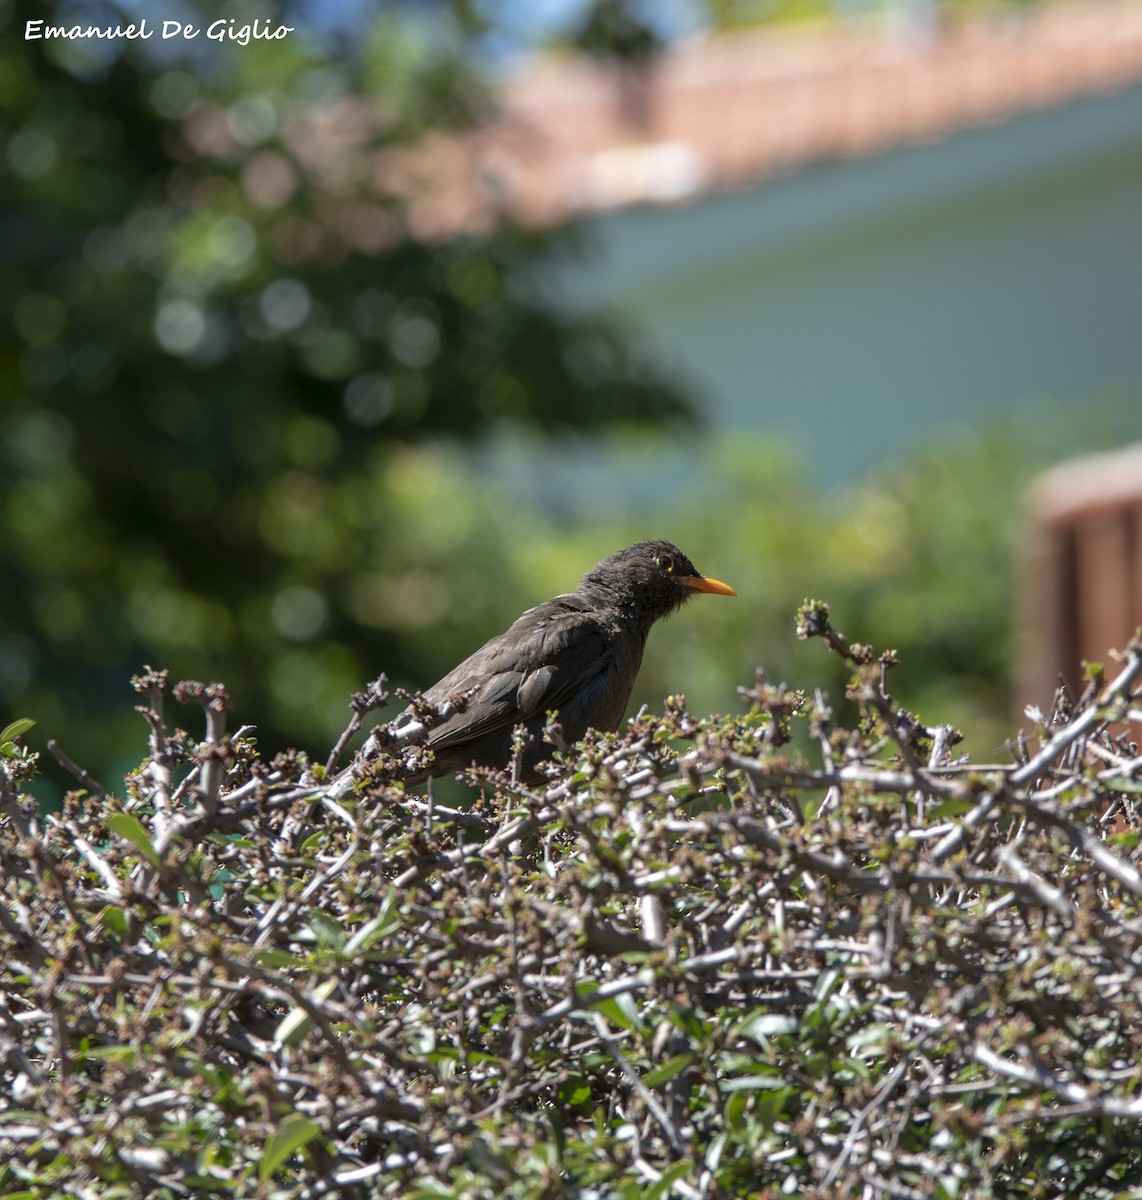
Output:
x,y
375,696
74,769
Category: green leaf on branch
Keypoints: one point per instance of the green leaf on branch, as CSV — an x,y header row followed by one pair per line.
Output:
x,y
131,829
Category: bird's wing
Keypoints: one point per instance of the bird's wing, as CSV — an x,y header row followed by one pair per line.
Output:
x,y
545,658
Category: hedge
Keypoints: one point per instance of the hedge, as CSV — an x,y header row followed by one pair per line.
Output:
x,y
799,949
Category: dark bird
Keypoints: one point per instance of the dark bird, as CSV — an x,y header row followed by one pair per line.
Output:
x,y
577,655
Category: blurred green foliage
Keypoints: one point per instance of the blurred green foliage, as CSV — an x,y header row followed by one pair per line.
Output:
x,y
218,346
237,402
730,14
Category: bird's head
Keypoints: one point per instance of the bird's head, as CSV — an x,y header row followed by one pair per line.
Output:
x,y
652,578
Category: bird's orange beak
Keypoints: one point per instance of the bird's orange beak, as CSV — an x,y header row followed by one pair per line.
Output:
x,y
703,583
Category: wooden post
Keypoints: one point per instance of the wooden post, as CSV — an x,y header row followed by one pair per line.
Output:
x,y
1080,575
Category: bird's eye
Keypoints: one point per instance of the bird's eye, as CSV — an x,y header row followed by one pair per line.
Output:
x,y
664,562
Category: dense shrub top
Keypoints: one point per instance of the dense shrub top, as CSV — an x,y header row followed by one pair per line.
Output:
x,y
796,950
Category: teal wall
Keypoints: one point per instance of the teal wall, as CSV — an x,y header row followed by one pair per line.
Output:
x,y
859,308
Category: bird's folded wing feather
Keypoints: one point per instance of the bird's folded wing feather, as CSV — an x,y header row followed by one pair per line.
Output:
x,y
546,657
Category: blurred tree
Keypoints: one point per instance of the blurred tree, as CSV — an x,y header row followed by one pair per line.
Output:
x,y
236,393
219,345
